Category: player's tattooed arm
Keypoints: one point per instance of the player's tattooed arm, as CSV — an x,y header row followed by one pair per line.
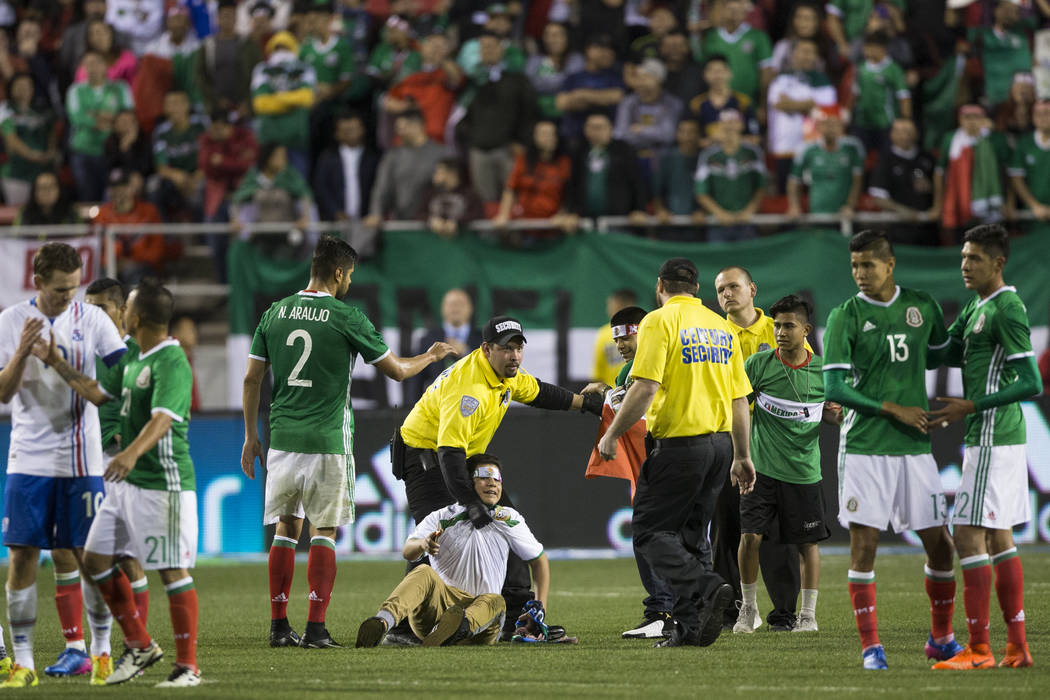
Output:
x,y
78,381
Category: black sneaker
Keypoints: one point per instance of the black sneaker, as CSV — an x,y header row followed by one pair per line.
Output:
x,y
316,637
282,634
396,638
452,627
675,635
651,627
713,614
371,632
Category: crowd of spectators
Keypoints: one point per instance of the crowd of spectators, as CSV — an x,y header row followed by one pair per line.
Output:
x,y
449,111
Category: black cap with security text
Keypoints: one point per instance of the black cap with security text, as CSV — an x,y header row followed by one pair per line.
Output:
x,y
502,329
679,270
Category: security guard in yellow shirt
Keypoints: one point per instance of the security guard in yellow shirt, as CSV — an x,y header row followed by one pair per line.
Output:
x,y
736,291
690,384
456,418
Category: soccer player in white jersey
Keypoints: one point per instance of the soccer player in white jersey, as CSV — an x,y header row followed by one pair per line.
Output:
x,y
54,467
456,599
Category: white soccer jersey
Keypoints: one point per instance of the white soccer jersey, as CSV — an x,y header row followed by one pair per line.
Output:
x,y
475,560
786,131
54,432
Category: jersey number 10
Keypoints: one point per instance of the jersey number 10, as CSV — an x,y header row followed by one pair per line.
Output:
x,y
898,347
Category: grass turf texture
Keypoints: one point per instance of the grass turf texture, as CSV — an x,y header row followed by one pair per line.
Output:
x,y
595,600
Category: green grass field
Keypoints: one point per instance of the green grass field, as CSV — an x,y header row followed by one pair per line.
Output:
x,y
595,600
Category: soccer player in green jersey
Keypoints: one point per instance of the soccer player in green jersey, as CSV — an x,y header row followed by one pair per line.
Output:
x,y
785,432
312,341
991,341
877,348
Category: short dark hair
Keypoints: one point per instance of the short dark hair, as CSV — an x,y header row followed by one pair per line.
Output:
x,y
993,238
717,58
412,113
747,273
331,254
792,304
451,163
475,461
631,314
220,115
109,287
348,115
56,256
154,303
878,37
875,240
626,295
266,152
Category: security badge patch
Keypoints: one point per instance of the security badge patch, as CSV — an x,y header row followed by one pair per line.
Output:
x,y
467,405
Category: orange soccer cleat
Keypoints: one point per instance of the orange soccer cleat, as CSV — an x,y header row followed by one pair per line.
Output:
x,y
969,659
1016,656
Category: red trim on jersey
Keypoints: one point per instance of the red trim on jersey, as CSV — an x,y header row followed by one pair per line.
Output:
x,y
809,358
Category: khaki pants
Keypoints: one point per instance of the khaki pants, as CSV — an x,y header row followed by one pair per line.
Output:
x,y
422,597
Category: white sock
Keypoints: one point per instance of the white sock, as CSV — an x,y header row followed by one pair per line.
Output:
x,y
3,647
21,612
99,618
749,592
809,602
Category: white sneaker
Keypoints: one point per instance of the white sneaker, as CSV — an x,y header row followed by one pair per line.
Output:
x,y
181,677
748,620
805,623
134,661
650,628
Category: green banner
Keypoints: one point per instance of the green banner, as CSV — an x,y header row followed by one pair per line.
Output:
x,y
568,280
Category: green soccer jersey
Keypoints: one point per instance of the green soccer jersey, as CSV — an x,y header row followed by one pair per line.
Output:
x,y
312,342
993,331
84,104
854,14
332,61
829,174
1002,56
178,149
157,381
884,346
33,127
785,425
731,180
109,412
748,51
878,87
290,128
1031,161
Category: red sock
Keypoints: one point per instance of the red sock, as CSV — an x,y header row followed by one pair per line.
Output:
x,y
140,591
977,591
320,574
1009,588
862,595
940,587
116,590
70,603
282,568
182,602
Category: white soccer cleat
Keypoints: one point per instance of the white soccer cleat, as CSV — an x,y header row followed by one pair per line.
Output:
x,y
806,623
133,661
748,620
650,628
181,677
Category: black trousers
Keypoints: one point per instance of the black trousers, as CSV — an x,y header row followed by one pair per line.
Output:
x,y
778,562
677,490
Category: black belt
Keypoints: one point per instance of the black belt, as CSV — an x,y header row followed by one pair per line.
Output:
x,y
691,441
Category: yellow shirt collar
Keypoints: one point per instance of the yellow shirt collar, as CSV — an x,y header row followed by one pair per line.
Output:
x,y
756,328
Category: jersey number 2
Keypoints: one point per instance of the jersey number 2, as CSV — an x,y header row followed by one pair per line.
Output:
x,y
898,347
308,346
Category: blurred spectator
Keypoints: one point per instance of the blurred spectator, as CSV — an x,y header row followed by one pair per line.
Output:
x,y
792,97
707,106
138,254
1044,369
537,182
500,115
967,175
457,329
447,201
178,47
898,46
685,77
262,16
880,93
432,89
271,192
603,19
470,57
226,151
141,20
345,172
647,118
279,11
1003,49
748,51
225,64
831,168
847,19
75,41
597,88
404,171
1013,118
1029,170
394,57
120,63
357,26
902,182
30,140
48,204
38,64
91,107
731,180
549,68
674,172
329,55
178,187
805,24
662,21
605,176
184,330
282,95
129,150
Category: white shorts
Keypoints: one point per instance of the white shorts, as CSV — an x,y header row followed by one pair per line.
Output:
x,y
319,486
994,488
159,528
902,491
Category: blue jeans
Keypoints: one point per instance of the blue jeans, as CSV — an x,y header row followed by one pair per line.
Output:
x,y
89,176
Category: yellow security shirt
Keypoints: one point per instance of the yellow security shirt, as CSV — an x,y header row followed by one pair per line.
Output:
x,y
695,356
464,406
607,360
758,336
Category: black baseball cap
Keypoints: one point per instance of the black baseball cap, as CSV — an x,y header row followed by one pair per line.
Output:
x,y
501,329
679,270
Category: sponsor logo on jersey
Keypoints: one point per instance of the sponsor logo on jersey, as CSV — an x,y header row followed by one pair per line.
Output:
x,y
142,381
991,515
913,316
978,325
851,505
77,335
868,326
467,406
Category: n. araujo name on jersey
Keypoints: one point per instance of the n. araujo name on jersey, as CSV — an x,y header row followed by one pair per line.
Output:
x,y
303,313
706,345
790,410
